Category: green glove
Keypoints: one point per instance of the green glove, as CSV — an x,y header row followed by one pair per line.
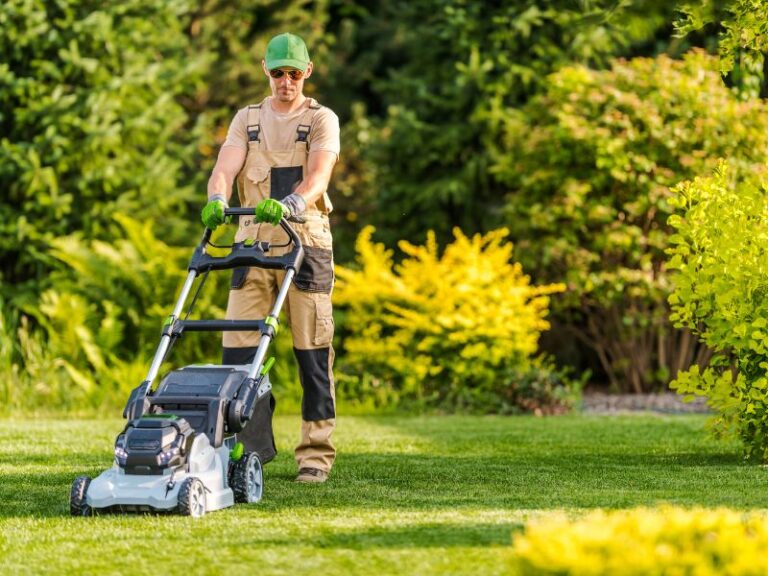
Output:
x,y
213,212
271,211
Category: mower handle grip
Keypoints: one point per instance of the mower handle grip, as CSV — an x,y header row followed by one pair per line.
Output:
x,y
252,212
284,222
244,255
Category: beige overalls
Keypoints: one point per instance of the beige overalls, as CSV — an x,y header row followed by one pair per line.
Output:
x,y
275,174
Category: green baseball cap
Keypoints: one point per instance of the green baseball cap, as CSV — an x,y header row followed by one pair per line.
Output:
x,y
287,50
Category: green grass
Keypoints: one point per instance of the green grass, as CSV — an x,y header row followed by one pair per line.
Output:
x,y
427,495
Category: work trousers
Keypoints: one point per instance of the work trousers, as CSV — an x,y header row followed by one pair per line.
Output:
x,y
309,315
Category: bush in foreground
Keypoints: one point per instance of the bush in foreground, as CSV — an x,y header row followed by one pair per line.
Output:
x,y
454,331
645,542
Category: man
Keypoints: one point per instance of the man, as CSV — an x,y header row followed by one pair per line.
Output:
x,y
282,152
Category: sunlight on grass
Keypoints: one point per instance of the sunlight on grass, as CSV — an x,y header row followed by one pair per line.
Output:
x,y
408,495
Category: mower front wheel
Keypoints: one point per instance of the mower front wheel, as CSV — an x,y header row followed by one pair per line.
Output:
x,y
192,498
77,502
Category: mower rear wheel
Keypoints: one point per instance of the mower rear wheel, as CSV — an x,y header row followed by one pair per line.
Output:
x,y
248,479
77,502
192,498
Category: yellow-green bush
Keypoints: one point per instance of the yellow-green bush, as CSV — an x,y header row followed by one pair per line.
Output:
x,y
717,259
645,542
457,330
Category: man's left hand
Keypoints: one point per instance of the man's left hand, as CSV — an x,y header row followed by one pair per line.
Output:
x,y
271,211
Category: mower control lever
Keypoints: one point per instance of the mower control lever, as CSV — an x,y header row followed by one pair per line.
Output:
x,y
283,223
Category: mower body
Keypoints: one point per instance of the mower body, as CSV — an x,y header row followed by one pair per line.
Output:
x,y
122,489
187,431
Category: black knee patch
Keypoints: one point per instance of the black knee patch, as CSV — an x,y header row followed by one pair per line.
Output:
x,y
316,271
238,355
317,403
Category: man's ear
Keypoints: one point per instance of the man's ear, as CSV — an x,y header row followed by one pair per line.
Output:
x,y
264,67
308,72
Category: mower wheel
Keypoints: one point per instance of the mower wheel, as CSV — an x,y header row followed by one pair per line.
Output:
x,y
248,479
192,498
77,502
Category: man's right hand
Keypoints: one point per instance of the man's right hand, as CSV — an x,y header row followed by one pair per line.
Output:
x,y
213,212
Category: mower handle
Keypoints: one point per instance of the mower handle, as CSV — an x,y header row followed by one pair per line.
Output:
x,y
283,221
249,254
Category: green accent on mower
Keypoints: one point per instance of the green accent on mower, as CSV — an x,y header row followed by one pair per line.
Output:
x,y
267,365
237,452
272,321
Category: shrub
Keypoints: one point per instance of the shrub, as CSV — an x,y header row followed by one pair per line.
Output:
x,y
593,162
91,124
94,335
541,387
442,76
457,330
100,325
720,287
644,542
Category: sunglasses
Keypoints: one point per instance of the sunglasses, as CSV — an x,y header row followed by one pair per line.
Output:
x,y
292,74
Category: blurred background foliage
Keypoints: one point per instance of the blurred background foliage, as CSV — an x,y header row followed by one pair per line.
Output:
x,y
589,166
92,124
565,121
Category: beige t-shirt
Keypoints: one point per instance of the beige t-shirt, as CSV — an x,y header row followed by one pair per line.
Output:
x,y
278,131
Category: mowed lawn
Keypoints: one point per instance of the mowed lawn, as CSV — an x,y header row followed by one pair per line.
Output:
x,y
410,495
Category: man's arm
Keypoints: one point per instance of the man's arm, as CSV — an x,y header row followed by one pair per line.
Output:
x,y
228,166
319,167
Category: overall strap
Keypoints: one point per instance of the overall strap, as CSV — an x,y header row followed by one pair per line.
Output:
x,y
254,126
305,123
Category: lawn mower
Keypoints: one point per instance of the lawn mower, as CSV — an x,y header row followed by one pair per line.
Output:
x,y
179,451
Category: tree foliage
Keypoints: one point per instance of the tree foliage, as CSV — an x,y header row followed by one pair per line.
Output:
x,y
120,107
593,161
90,124
743,40
449,72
